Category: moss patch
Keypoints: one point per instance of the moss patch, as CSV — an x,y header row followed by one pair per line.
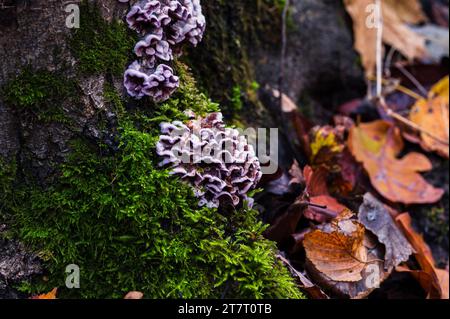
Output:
x,y
35,90
99,46
129,225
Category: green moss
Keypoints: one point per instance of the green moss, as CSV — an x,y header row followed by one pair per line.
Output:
x,y
7,177
101,47
37,89
236,99
129,225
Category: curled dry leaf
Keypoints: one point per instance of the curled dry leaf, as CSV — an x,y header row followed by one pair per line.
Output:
x,y
337,250
396,15
376,145
376,218
49,295
352,254
432,115
433,280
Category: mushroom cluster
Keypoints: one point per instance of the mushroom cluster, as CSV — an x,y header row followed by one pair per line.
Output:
x,y
165,26
215,160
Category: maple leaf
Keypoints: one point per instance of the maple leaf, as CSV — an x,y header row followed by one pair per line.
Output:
x,y
396,15
433,280
432,115
376,145
338,252
49,295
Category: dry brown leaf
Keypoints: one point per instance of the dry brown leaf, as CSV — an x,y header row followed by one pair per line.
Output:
x,y
396,15
432,115
316,181
372,273
338,253
376,145
49,295
376,218
433,280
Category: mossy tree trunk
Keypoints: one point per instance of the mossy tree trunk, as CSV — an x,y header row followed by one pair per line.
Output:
x,y
78,180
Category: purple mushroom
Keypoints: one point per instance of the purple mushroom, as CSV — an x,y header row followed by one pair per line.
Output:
x,y
135,80
216,161
161,84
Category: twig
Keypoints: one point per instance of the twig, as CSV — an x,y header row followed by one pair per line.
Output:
x,y
409,123
400,88
320,209
283,50
412,79
379,48
379,80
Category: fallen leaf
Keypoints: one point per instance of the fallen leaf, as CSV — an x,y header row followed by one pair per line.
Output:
x,y
371,273
285,224
338,252
350,172
134,295
397,14
316,181
316,192
331,204
49,295
376,145
432,115
376,218
437,41
325,145
433,280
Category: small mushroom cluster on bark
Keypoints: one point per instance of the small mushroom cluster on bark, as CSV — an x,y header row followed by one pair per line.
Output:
x,y
165,26
215,160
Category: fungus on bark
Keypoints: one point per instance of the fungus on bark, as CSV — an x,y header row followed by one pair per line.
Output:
x,y
215,160
165,26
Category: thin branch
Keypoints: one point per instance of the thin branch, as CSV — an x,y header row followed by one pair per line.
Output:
x,y
400,88
412,79
283,50
409,123
379,48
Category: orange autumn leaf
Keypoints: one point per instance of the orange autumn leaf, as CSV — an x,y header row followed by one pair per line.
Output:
x,y
432,115
377,146
396,33
338,252
316,181
433,280
49,295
